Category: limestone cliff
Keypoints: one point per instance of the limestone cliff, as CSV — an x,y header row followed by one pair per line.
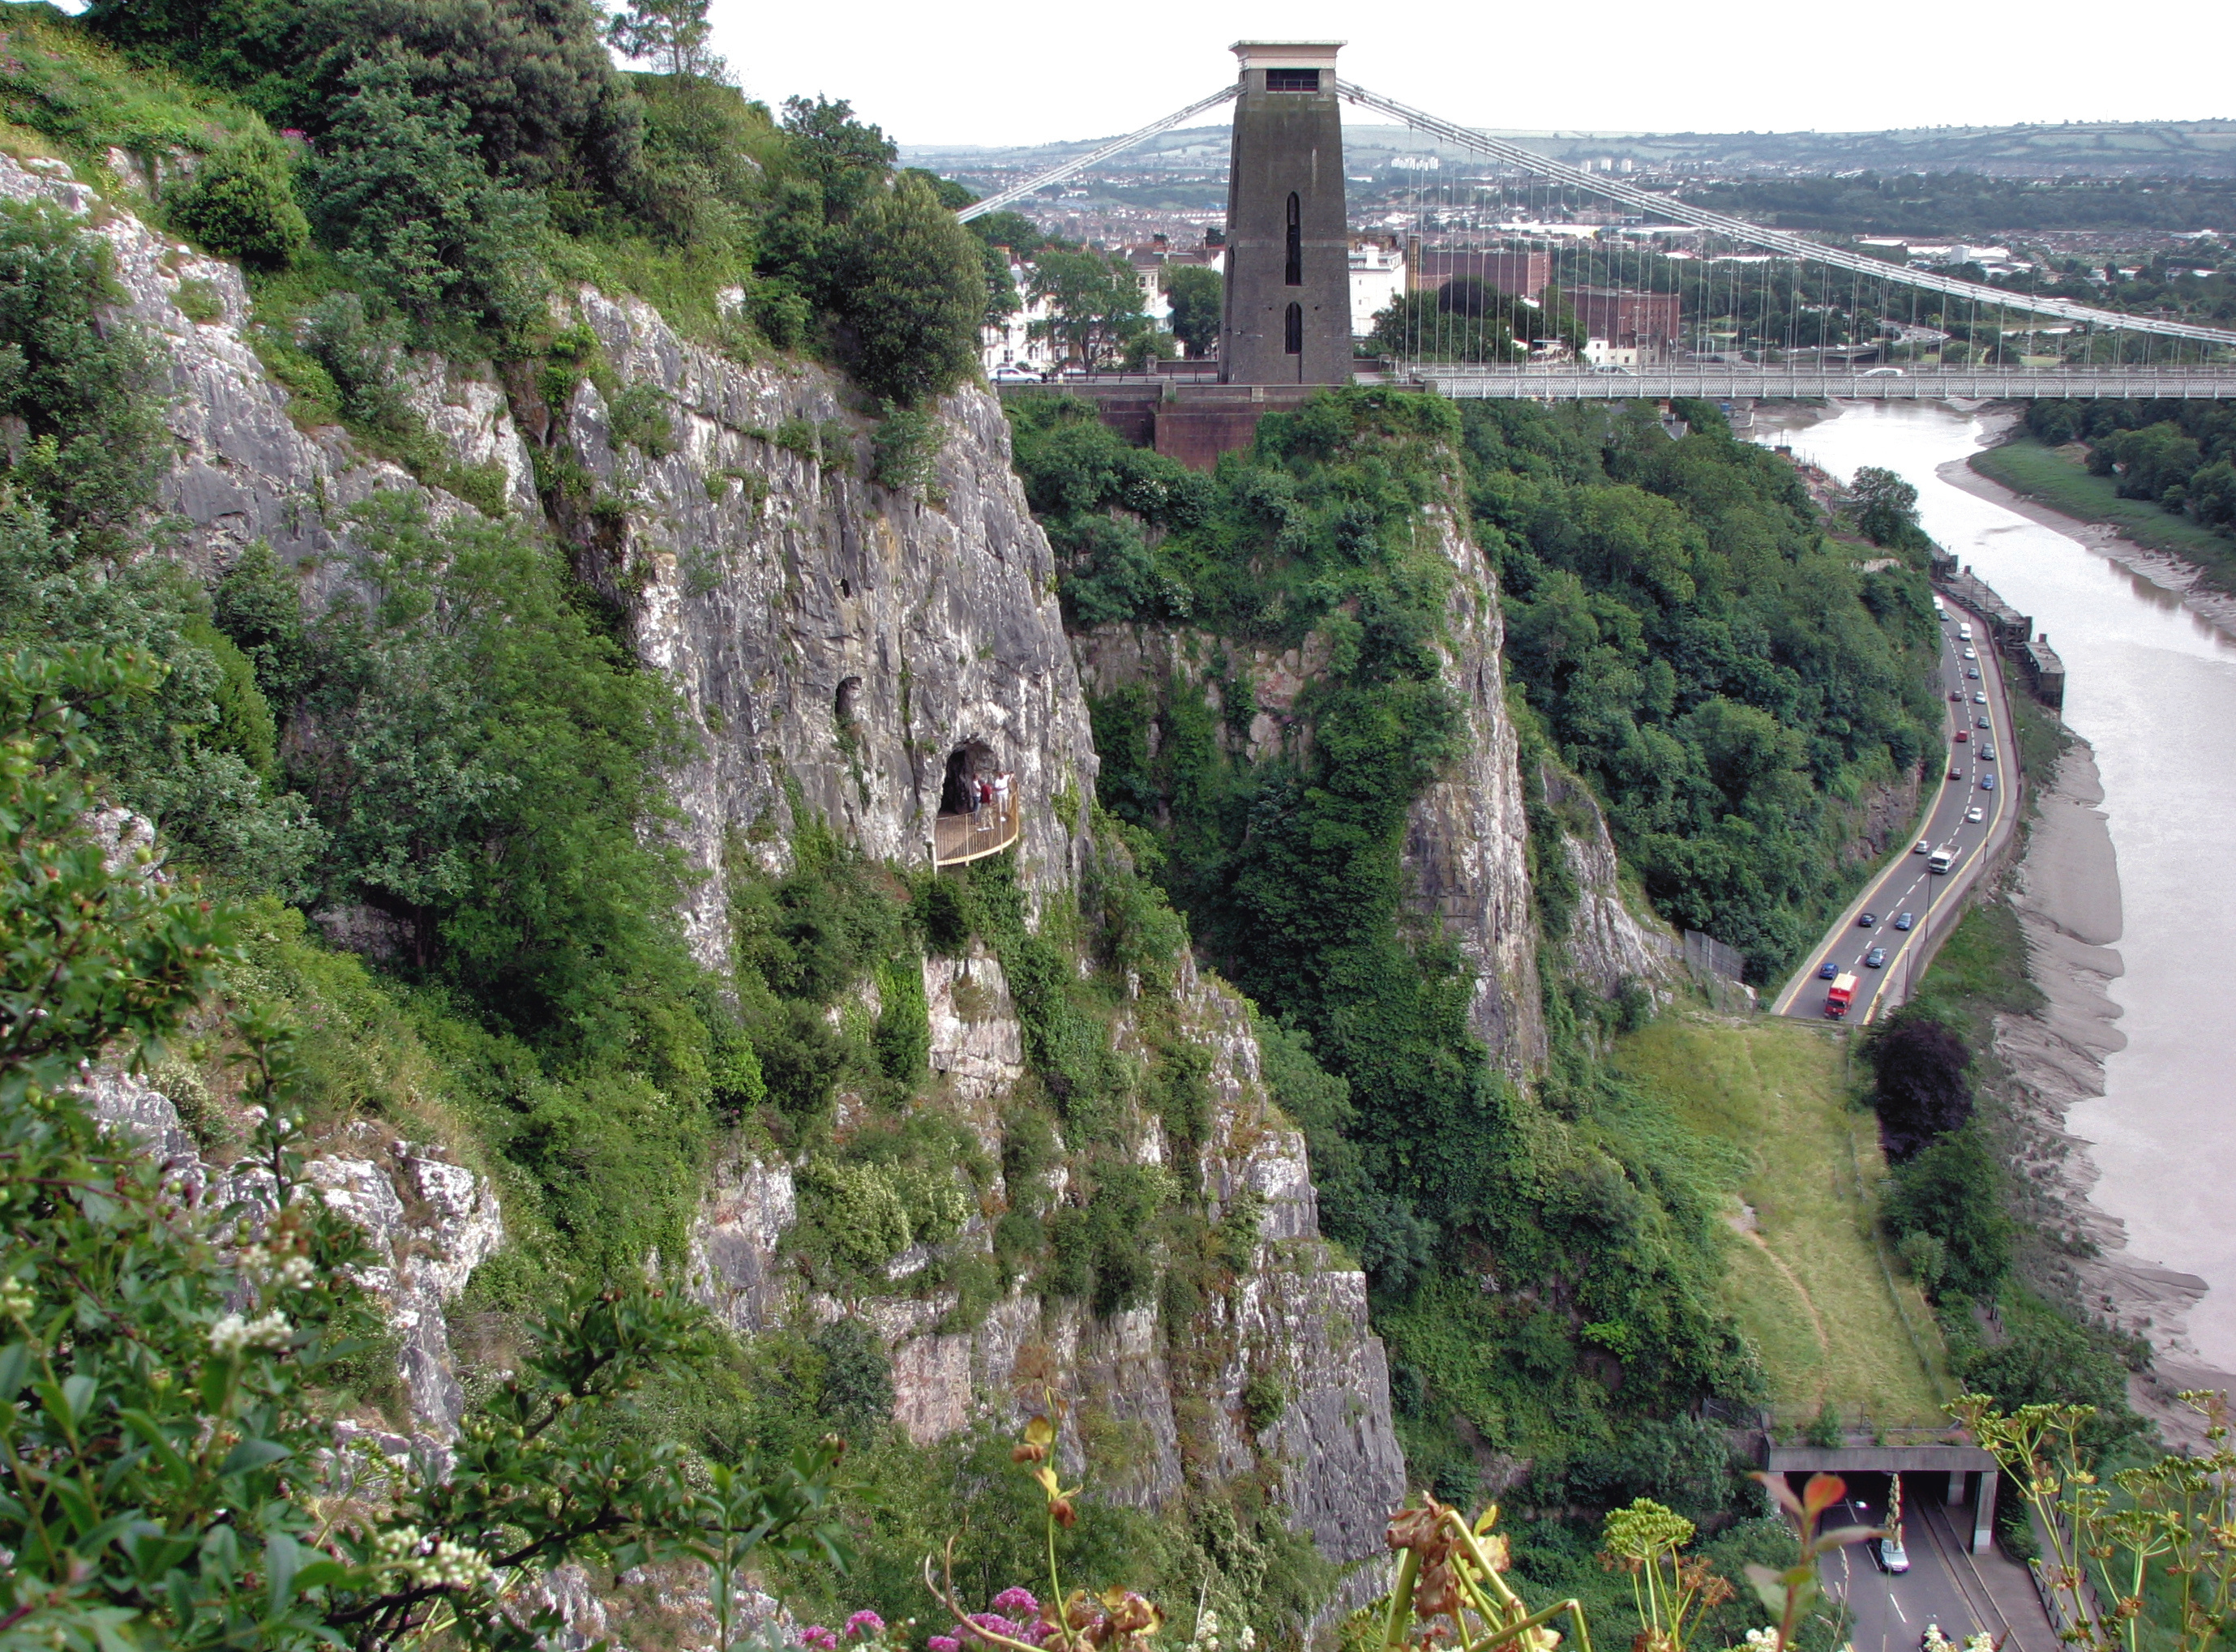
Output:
x,y
838,642
1465,852
1192,1400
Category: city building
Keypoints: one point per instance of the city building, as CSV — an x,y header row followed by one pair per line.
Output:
x,y
1645,322
1378,280
1523,275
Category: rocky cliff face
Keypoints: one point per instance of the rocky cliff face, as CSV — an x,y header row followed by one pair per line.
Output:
x,y
838,642
1608,945
1195,1402
1466,842
430,1223
1465,852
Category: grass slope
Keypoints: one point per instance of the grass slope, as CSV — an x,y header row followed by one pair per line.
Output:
x,y
1807,1284
2060,478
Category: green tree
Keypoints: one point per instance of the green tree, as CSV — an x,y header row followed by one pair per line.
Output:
x,y
241,203
1954,1191
1198,298
917,296
675,35
1094,302
490,768
401,192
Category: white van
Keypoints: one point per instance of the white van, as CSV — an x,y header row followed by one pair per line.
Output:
x,y
1964,631
1941,860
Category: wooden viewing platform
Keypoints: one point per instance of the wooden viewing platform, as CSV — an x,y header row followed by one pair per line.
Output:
x,y
956,839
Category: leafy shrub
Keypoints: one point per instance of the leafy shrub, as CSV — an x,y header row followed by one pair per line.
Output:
x,y
401,192
851,1215
87,388
1953,1190
241,203
914,298
905,449
1921,1092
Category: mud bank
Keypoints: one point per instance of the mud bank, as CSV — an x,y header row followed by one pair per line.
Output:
x,y
2161,568
2067,895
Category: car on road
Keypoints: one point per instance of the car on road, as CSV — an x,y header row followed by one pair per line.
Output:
x,y
1987,782
1987,752
1956,773
1972,672
1979,722
1969,654
1890,1554
1957,694
1010,373
1903,920
1867,920
1979,698
1974,816
1881,372
1828,969
1964,735
1921,846
1875,958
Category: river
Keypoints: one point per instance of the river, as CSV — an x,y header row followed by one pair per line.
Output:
x,y
2153,687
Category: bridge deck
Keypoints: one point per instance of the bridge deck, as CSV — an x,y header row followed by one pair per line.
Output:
x,y
1774,383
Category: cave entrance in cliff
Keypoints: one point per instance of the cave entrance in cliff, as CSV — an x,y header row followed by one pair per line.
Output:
x,y
977,807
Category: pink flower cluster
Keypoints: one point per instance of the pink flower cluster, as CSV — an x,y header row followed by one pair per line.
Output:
x,y
865,1623
1016,1616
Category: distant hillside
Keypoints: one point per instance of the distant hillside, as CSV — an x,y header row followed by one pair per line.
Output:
x,y
2154,149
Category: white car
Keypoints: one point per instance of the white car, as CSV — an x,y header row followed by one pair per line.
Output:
x,y
1921,847
1884,372
1979,698
1892,1556
1008,373
1969,654
1974,816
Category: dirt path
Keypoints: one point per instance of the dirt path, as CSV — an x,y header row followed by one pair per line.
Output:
x,y
1815,1321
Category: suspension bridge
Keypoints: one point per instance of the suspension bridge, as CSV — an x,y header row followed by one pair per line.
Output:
x,y
1505,278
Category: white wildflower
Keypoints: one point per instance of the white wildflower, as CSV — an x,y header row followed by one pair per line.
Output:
x,y
453,1565
233,1334
295,1274
16,1299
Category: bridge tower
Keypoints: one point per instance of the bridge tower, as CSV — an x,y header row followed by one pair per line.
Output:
x,y
1288,242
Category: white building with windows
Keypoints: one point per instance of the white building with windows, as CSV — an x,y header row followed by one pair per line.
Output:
x,y
1378,280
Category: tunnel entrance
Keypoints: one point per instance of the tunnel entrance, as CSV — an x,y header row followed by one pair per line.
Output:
x,y
977,807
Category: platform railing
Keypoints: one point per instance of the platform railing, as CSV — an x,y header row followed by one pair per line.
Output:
x,y
992,827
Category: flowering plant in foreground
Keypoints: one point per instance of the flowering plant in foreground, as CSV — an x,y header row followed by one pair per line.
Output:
x,y
1117,1619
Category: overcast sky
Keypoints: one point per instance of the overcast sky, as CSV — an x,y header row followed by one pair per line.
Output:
x,y
1004,71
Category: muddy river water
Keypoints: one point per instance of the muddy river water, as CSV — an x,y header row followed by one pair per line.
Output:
x,y
2153,687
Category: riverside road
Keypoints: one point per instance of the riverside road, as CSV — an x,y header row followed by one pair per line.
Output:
x,y
1934,901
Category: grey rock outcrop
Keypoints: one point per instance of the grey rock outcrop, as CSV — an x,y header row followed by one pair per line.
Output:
x,y
1607,944
430,1222
1466,840
1465,852
837,640
244,470
1292,1325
